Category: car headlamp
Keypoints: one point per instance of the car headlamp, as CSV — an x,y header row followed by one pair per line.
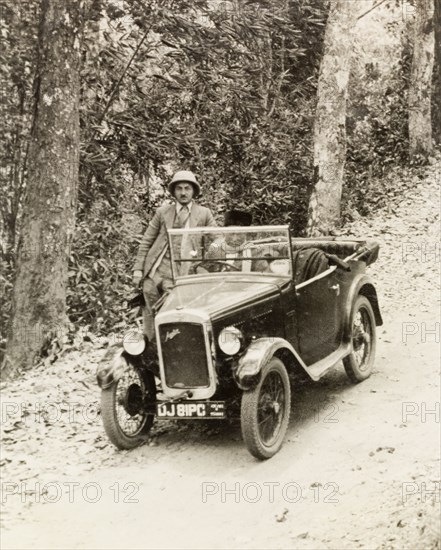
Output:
x,y
134,342
230,340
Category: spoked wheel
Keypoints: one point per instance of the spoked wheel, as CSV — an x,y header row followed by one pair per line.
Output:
x,y
265,411
124,408
359,363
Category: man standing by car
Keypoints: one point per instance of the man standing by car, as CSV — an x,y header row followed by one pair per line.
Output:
x,y
152,263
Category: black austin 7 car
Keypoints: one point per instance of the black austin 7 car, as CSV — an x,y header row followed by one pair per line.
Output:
x,y
251,308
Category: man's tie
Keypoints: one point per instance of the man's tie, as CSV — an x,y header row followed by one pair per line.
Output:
x,y
181,250
182,216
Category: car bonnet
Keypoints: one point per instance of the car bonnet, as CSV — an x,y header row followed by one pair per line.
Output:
x,y
216,295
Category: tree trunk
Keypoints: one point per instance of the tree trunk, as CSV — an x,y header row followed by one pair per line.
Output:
x,y
420,123
330,119
436,87
39,296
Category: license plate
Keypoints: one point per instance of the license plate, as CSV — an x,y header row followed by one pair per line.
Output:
x,y
191,409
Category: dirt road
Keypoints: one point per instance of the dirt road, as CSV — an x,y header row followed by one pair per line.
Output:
x,y
359,468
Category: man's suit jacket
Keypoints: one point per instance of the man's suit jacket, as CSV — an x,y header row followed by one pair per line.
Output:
x,y
155,238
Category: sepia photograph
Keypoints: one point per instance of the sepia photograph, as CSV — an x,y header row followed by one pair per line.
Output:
x,y
220,274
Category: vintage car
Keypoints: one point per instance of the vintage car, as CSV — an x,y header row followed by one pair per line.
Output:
x,y
251,308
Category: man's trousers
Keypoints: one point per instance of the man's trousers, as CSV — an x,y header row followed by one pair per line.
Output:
x,y
153,287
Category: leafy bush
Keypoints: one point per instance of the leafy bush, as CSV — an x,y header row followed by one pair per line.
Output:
x,y
377,132
101,268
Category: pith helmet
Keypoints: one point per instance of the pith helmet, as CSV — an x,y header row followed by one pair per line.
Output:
x,y
187,177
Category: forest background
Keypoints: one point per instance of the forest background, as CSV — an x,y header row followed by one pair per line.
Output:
x,y
227,89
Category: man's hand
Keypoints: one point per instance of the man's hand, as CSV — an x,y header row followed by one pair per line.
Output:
x,y
216,246
137,276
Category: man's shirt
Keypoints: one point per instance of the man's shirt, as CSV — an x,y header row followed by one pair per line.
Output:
x,y
179,207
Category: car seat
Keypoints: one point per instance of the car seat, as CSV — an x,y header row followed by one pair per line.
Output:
x,y
308,263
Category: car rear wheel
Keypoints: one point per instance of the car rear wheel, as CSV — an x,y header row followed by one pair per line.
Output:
x,y
265,411
360,362
124,408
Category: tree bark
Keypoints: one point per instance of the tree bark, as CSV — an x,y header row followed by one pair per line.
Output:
x,y
436,84
420,123
330,119
39,295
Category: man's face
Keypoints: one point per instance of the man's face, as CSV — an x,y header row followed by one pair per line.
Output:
x,y
235,240
184,192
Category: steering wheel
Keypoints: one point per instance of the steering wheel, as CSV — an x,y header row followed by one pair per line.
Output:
x,y
223,263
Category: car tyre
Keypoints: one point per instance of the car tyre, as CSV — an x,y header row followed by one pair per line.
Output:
x,y
124,408
265,411
360,362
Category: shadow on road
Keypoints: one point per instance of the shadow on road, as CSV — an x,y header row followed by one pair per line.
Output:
x,y
311,402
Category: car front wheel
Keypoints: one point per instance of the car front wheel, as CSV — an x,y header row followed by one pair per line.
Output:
x,y
360,362
265,411
124,408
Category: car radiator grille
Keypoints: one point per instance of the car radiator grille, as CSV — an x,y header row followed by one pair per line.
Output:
x,y
184,355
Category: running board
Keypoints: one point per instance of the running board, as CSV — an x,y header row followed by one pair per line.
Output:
x,y
317,370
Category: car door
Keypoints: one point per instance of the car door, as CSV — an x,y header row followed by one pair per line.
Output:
x,y
288,302
318,317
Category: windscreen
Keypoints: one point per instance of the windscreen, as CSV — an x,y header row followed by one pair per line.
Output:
x,y
204,250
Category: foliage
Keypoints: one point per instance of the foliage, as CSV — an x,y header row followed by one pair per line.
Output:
x,y
18,29
227,89
228,94
99,269
377,132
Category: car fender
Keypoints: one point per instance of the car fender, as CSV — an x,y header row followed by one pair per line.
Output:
x,y
249,367
111,372
362,284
